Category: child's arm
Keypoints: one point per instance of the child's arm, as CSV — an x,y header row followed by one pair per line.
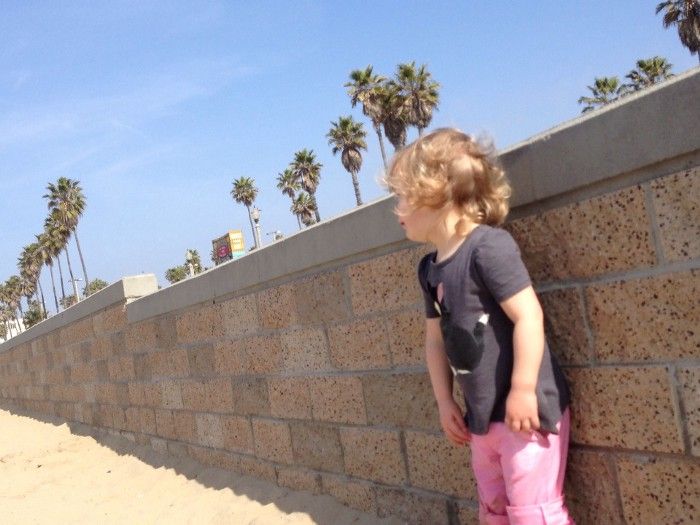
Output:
x,y
451,417
525,311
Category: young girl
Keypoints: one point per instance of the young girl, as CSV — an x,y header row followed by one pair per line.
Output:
x,y
484,327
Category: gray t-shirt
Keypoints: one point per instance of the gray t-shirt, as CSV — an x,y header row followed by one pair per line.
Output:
x,y
465,290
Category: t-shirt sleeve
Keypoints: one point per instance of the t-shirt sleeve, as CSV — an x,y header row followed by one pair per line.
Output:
x,y
430,311
500,265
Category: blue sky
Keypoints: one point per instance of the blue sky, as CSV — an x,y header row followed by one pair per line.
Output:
x,y
157,106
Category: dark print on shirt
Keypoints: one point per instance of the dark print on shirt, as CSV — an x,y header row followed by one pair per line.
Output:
x,y
464,348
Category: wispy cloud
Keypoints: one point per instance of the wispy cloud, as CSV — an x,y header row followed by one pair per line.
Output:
x,y
145,100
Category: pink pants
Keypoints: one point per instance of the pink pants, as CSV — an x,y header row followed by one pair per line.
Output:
x,y
520,477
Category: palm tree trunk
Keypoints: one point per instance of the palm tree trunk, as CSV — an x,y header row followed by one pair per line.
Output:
x,y
60,275
356,186
53,285
252,226
318,216
378,129
41,293
420,132
72,278
80,253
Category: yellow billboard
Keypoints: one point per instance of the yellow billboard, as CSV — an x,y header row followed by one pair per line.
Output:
x,y
228,247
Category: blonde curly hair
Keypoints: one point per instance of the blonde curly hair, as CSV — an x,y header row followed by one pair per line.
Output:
x,y
447,167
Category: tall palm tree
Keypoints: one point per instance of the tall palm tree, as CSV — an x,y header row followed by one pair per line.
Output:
x,y
366,88
13,297
244,192
685,14
649,72
30,264
420,94
304,207
288,184
45,252
348,137
395,123
60,236
604,90
67,202
308,172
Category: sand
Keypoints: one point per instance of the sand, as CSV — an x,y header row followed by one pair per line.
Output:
x,y
50,475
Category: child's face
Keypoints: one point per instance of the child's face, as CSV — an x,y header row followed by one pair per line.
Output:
x,y
418,223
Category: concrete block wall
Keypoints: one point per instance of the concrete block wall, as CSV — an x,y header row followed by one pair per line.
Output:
x,y
303,363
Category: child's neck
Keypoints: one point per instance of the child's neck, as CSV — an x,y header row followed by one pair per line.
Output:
x,y
447,240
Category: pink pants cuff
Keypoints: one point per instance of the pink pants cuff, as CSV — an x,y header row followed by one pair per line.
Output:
x,y
520,477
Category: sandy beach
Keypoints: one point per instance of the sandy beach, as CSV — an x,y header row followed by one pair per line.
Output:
x,y
49,475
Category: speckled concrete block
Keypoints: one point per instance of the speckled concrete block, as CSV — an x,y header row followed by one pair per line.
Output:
x,y
651,319
290,397
210,431
317,446
385,283
406,332
689,379
133,419
564,325
659,491
305,350
591,494
238,434
272,441
141,337
373,454
109,320
414,509
468,514
338,400
136,393
185,426
677,205
250,396
601,235
436,464
257,468
171,394
401,400
263,354
152,395
354,494
230,358
169,364
299,479
624,407
277,307
321,298
77,331
239,316
359,345
202,323
121,368
209,395
165,424
201,361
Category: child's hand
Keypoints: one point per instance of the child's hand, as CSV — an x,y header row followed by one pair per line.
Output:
x,y
452,422
521,410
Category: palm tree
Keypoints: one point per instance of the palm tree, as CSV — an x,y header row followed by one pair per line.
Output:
x,y
649,72
287,183
61,235
30,265
67,202
420,93
45,252
308,172
366,88
13,297
304,207
685,14
348,137
395,123
244,192
604,90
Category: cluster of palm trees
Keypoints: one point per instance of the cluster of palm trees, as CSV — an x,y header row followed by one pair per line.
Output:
x,y
685,15
391,104
66,204
609,89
